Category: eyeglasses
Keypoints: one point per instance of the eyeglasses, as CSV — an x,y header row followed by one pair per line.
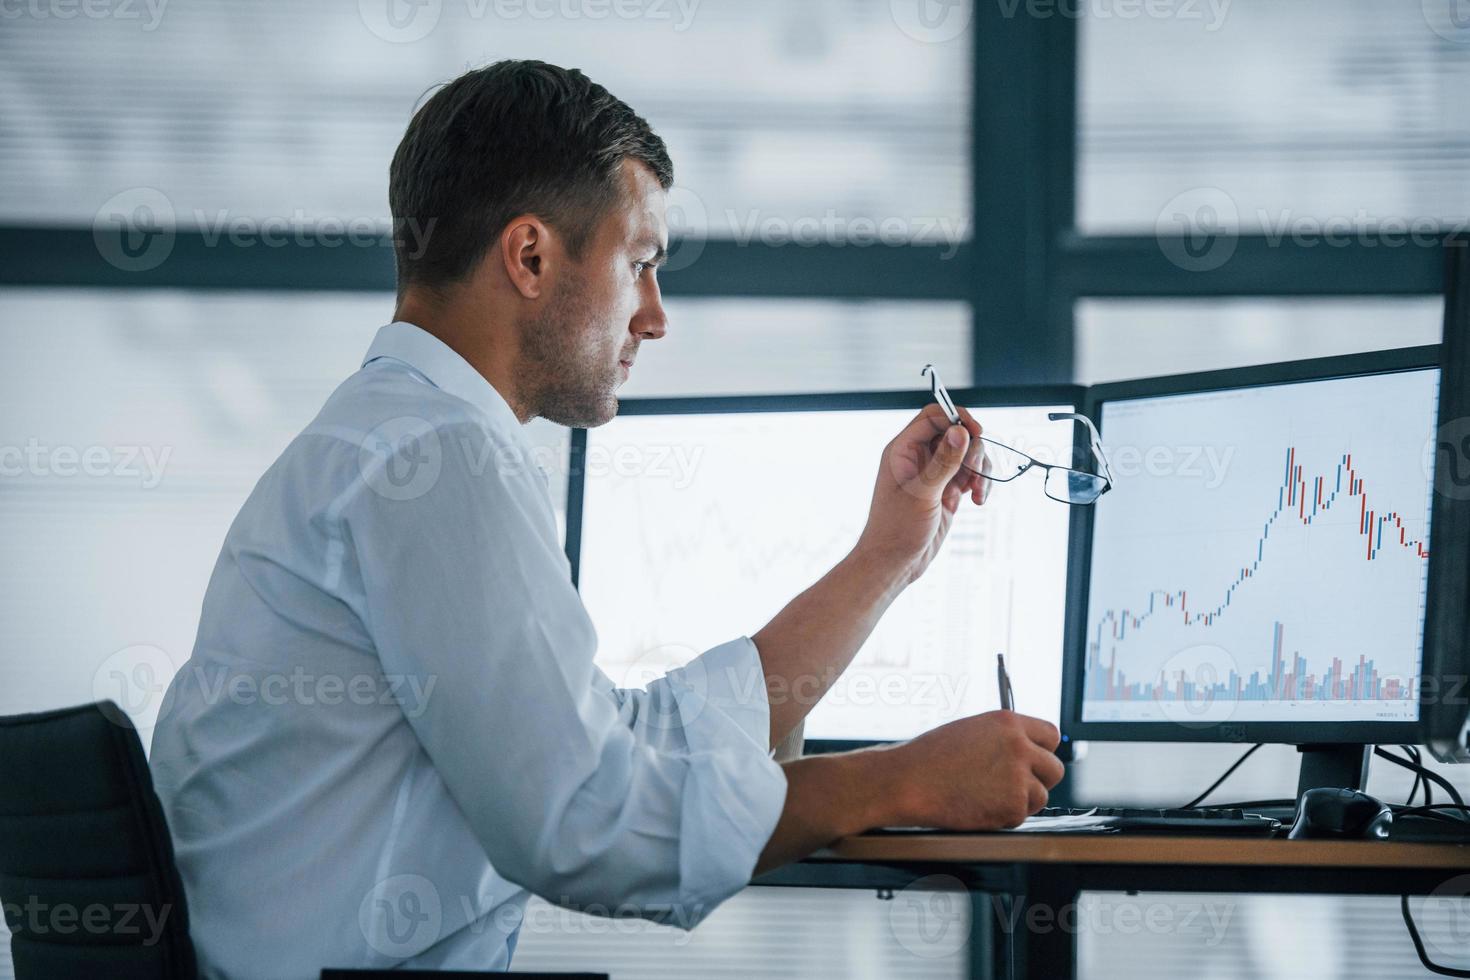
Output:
x,y
1076,487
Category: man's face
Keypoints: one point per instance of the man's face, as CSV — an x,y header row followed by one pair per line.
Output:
x,y
580,347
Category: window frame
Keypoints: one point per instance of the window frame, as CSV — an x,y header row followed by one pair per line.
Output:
x,y
1022,272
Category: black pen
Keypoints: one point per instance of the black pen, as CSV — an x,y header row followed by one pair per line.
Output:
x,y
1007,697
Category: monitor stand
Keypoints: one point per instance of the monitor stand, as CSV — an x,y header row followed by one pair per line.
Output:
x,y
1334,765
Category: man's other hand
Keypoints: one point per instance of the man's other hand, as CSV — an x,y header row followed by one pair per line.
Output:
x,y
984,772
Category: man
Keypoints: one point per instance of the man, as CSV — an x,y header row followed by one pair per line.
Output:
x,y
391,731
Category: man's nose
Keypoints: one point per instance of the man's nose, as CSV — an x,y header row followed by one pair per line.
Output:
x,y
651,322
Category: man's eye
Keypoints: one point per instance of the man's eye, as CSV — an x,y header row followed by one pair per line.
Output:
x,y
641,267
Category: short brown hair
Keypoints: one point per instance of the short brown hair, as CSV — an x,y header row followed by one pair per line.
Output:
x,y
514,137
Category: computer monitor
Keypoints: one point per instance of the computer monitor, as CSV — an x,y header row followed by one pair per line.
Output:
x,y
1258,571
693,521
1445,694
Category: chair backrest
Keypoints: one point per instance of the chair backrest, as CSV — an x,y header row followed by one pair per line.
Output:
x,y
87,874
439,974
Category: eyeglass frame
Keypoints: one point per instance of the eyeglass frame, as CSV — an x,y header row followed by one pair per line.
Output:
x,y
1094,439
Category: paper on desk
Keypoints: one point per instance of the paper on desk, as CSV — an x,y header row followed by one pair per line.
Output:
x,y
1081,823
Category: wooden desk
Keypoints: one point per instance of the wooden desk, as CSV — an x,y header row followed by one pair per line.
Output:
x,y
1135,849
1019,878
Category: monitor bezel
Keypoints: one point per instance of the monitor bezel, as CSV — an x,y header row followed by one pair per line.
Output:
x,y
1079,569
1000,396
1443,707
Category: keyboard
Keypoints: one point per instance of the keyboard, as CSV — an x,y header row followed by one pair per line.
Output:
x,y
1203,821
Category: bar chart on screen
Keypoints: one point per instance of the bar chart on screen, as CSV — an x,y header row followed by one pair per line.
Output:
x,y
674,562
1284,578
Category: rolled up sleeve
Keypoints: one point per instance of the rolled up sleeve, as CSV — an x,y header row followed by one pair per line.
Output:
x,y
657,804
733,680
716,701
727,680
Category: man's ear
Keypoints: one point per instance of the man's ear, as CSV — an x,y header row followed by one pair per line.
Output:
x,y
525,246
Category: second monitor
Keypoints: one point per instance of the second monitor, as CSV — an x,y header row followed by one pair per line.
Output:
x,y
699,518
1258,572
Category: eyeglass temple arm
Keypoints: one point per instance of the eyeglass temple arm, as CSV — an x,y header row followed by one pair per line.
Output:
x,y
941,395
1094,440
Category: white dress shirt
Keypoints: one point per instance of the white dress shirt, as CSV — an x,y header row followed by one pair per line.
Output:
x,y
391,730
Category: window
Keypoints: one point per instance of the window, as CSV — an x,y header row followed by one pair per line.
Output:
x,y
1119,339
774,112
134,424
1289,109
757,346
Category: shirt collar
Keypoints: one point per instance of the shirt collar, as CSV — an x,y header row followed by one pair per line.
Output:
x,y
445,369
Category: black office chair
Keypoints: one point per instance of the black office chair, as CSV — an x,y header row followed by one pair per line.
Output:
x,y
445,974
87,875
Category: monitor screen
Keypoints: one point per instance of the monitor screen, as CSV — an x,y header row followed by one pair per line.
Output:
x,y
1262,556
698,527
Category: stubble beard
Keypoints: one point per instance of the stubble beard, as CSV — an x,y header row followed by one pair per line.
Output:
x,y
574,382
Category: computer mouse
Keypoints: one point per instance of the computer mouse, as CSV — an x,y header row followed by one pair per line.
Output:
x,y
1340,813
